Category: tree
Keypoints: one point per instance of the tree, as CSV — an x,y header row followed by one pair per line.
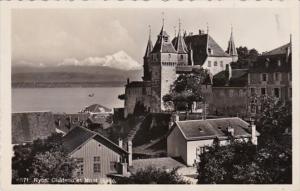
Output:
x,y
43,159
186,89
270,162
152,175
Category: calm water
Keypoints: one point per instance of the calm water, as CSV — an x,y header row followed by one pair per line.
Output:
x,y
69,100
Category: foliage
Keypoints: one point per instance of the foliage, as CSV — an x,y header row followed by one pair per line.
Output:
x,y
186,89
242,163
246,57
43,159
245,54
152,175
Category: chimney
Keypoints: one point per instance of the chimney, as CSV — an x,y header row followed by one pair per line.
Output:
x,y
230,130
120,142
128,80
130,153
253,132
200,32
174,118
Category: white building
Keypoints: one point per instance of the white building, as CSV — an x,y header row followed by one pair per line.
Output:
x,y
188,139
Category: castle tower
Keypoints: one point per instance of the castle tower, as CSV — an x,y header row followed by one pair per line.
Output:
x,y
163,62
231,50
147,74
181,48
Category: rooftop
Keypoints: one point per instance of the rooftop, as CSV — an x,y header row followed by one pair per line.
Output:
x,y
212,128
239,78
166,163
78,136
97,108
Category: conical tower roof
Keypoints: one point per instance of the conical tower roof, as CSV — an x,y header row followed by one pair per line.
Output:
x,y
179,44
149,45
163,44
231,50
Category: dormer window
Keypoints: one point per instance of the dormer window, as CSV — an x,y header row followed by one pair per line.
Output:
x,y
210,51
165,39
279,63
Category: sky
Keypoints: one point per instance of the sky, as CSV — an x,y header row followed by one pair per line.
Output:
x,y
106,36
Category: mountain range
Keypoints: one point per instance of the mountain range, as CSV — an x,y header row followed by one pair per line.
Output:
x,y
111,69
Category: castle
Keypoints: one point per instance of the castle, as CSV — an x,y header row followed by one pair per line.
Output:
x,y
168,58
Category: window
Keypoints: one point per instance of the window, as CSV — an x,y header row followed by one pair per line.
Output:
x,y
264,77
252,90
215,63
165,38
278,63
276,92
97,164
277,76
79,162
209,51
209,64
221,64
181,57
263,91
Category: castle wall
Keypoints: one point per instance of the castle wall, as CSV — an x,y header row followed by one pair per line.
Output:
x,y
230,101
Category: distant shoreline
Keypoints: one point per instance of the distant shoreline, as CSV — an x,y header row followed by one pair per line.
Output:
x,y
66,84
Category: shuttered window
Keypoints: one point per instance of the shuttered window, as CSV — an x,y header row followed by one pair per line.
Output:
x,y
97,164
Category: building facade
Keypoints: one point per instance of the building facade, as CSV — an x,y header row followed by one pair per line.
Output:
x,y
97,157
271,76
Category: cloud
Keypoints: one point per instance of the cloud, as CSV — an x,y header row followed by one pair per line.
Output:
x,y
119,60
56,35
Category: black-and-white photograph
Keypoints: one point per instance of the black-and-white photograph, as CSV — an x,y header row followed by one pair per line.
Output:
x,y
151,95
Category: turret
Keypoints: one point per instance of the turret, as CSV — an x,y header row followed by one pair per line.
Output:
x,y
147,75
231,50
181,48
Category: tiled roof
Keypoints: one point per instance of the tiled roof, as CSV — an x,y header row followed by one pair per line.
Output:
x,y
162,45
212,128
273,61
200,44
231,50
80,135
149,48
239,78
279,50
180,45
96,108
160,163
29,126
138,84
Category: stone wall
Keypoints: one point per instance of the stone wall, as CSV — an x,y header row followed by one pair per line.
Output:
x,y
229,101
29,126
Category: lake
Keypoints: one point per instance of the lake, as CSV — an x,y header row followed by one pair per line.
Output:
x,y
69,100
